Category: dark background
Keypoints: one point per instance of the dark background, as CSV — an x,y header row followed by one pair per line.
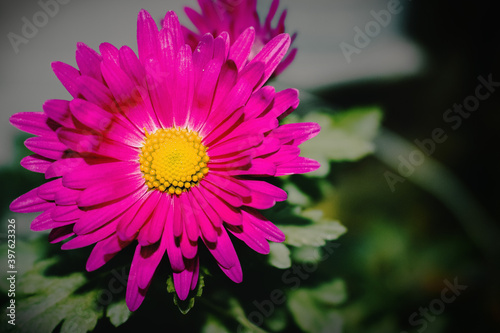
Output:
x,y
400,246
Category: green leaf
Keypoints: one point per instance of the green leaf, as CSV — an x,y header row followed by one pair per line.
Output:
x,y
53,299
314,234
84,314
306,254
118,313
313,309
279,256
344,136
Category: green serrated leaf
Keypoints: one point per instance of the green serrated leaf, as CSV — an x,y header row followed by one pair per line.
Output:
x,y
313,309
52,299
60,288
84,313
118,313
332,293
313,234
33,281
344,136
306,254
279,256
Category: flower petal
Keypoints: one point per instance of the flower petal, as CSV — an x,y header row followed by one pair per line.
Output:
x,y
30,202
109,191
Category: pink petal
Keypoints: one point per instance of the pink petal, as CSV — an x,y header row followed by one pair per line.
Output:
x,y
296,133
104,251
253,238
271,55
66,213
88,175
88,61
148,260
227,212
68,76
147,36
234,273
220,164
48,190
227,79
218,130
198,20
206,227
189,248
297,166
269,230
207,207
259,167
129,226
221,46
109,53
60,233
204,93
234,145
82,142
66,196
109,191
240,50
97,93
285,102
134,295
223,251
43,221
203,53
36,163
232,199
32,122
190,220
171,23
64,166
50,148
259,102
230,184
173,250
184,86
264,195
91,238
286,62
58,110
30,202
153,230
91,115
184,280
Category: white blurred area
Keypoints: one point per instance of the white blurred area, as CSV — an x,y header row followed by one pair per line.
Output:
x,y
26,78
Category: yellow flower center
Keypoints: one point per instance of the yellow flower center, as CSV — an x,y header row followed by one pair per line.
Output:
x,y
173,160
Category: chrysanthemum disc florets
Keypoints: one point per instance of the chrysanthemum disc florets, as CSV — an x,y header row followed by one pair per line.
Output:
x,y
173,160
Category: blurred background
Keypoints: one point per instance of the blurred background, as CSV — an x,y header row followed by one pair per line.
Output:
x,y
408,233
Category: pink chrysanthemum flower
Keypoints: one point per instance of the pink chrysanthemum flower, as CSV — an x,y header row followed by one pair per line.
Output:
x,y
235,16
164,150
